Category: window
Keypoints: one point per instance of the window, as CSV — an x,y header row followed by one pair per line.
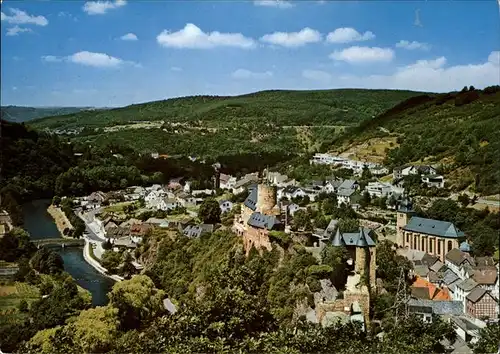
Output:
x,y
407,238
439,246
449,246
422,244
431,241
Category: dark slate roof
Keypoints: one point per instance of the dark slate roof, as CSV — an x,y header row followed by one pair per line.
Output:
x,y
429,260
348,184
251,201
433,227
476,294
345,192
438,266
467,284
360,238
439,307
421,270
449,277
420,293
262,221
405,206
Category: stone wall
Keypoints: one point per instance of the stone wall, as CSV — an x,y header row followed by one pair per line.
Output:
x,y
266,198
259,238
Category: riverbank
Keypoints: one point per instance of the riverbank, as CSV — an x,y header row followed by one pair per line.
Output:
x,y
61,220
95,264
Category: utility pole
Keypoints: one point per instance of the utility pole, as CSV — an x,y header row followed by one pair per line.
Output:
x,y
401,303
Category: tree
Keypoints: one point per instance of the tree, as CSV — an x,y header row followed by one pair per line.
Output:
x,y
365,200
336,257
329,204
464,200
106,245
366,174
489,339
348,225
389,265
137,301
23,306
111,260
56,200
302,220
209,211
47,261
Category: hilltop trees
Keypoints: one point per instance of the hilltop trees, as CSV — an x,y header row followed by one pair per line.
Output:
x,y
209,211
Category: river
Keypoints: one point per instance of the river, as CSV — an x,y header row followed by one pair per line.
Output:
x,y
41,225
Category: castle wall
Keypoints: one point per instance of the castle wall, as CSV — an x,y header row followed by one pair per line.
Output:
x,y
360,262
401,221
259,238
246,212
266,198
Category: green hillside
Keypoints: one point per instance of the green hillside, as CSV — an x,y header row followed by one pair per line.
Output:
x,y
458,130
210,126
24,114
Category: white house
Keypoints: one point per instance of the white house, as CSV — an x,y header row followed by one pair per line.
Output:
x,y
459,261
226,181
332,186
378,189
463,289
203,191
167,204
433,181
225,206
346,196
187,187
401,172
291,192
292,208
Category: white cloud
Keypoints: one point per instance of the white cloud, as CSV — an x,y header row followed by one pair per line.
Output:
x,y
293,39
363,54
97,60
14,88
101,7
347,35
247,74
282,4
412,45
14,31
193,37
65,14
20,17
175,68
51,59
129,37
317,75
432,75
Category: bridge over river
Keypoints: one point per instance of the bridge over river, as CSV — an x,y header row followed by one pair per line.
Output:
x,y
61,242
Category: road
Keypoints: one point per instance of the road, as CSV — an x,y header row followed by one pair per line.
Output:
x,y
91,232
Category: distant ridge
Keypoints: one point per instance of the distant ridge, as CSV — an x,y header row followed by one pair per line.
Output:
x,y
24,114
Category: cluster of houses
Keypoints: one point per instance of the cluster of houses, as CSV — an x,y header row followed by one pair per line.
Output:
x,y
355,165
428,175
449,281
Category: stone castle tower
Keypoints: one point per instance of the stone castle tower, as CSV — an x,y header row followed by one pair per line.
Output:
x,y
404,214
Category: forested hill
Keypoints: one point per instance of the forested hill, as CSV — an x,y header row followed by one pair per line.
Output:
x,y
458,130
266,122
25,114
281,107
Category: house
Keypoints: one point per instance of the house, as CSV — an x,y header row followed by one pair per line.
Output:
x,y
432,236
348,197
486,278
203,191
401,172
456,258
187,187
243,183
466,327
96,197
138,231
153,197
279,180
425,290
225,206
378,189
379,171
427,308
226,181
463,289
195,231
166,204
433,181
481,304
174,183
292,208
349,184
332,186
291,192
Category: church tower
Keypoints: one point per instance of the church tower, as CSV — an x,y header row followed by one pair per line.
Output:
x,y
404,214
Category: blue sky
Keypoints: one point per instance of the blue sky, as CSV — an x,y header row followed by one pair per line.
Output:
x,y
114,53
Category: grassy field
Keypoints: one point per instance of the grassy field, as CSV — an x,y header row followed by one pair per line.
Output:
x,y
116,208
12,294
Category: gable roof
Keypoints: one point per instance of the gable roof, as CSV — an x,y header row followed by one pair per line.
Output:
x,y
458,257
436,267
485,276
449,277
429,260
477,294
438,307
361,238
467,284
421,270
433,227
348,184
346,192
197,230
262,221
485,262
433,292
251,201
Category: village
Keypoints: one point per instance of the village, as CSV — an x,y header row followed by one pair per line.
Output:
x,y
448,281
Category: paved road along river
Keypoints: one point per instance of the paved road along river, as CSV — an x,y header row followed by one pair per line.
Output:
x,y
41,225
